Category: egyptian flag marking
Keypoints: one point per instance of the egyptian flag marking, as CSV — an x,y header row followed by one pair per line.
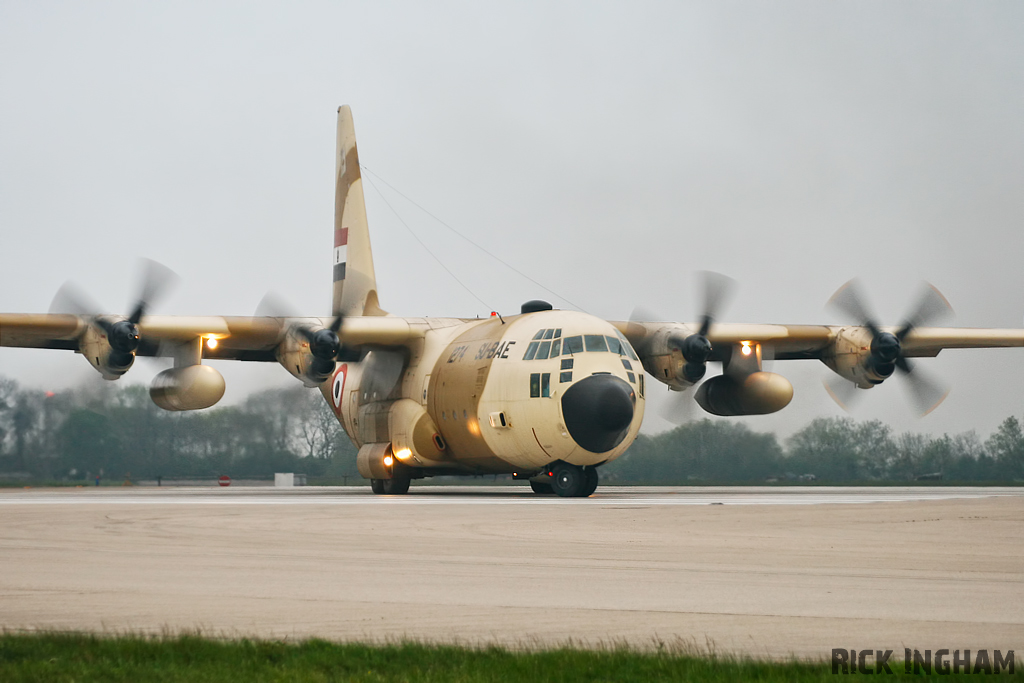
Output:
x,y
340,253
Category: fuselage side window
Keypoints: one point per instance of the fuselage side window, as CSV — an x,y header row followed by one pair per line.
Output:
x,y
595,342
641,385
572,345
535,385
545,385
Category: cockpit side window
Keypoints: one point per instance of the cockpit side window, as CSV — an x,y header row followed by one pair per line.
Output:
x,y
627,346
543,349
615,346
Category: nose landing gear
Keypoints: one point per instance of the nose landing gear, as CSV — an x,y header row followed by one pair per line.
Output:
x,y
573,481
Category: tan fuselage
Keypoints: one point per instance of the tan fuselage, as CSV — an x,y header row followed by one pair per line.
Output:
x,y
469,401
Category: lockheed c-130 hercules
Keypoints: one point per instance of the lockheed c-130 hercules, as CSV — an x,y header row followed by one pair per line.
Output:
x,y
546,395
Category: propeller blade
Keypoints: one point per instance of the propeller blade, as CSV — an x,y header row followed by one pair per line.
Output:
x,y
931,306
843,392
156,280
679,408
273,305
926,392
717,290
72,300
381,372
640,315
849,300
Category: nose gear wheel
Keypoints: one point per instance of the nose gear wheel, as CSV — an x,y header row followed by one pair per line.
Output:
x,y
572,481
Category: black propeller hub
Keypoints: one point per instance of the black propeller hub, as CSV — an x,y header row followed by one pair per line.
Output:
x,y
123,336
885,347
325,345
696,349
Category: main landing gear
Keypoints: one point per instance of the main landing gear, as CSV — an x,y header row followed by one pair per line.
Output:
x,y
394,486
570,481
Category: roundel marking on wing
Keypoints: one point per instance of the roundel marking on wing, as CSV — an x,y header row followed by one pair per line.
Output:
x,y
338,388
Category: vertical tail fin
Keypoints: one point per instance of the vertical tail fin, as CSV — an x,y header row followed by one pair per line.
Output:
x,y
355,283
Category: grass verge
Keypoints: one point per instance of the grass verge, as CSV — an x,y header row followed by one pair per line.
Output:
x,y
82,657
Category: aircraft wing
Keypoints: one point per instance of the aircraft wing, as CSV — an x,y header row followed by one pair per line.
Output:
x,y
789,342
811,341
238,337
928,341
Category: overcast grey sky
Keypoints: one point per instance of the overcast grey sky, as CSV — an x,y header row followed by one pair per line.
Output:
x,y
609,150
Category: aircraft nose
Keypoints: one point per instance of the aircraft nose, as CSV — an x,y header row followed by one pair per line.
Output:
x,y
598,411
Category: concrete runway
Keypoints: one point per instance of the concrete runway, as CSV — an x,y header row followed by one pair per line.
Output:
x,y
761,571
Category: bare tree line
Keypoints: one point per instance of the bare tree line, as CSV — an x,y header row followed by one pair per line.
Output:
x,y
113,431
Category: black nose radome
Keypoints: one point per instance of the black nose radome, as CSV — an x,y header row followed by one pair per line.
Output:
x,y
598,411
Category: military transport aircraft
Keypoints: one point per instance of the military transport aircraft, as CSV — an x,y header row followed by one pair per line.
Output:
x,y
546,395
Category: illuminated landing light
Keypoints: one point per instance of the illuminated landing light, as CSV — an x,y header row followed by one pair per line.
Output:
x,y
211,343
388,461
745,348
402,454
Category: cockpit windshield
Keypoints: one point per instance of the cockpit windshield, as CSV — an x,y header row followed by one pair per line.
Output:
x,y
583,343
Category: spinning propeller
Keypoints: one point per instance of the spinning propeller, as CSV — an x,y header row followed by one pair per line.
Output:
x,y
122,335
696,348
886,350
324,344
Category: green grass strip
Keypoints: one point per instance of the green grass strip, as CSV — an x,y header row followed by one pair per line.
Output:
x,y
58,657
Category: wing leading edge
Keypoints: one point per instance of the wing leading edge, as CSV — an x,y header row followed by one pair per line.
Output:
x,y
238,338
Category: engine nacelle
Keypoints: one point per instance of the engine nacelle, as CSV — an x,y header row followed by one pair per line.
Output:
x,y
758,393
851,358
663,359
294,354
109,362
192,387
